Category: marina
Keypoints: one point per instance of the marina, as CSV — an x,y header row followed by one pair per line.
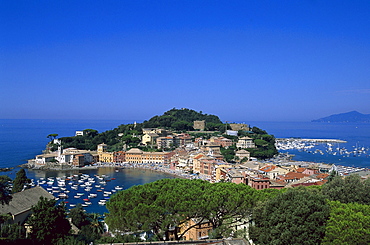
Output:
x,y
102,182
79,189
321,146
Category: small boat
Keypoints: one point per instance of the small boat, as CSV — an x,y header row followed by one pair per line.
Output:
x,y
63,195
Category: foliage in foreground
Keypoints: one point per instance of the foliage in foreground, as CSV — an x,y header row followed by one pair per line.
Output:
x,y
48,222
20,181
297,216
5,189
167,203
348,224
349,189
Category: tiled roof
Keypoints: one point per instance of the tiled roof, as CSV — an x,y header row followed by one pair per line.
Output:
x,y
322,176
300,170
268,168
24,200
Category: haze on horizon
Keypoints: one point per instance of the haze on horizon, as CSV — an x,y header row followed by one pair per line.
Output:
x,y
131,60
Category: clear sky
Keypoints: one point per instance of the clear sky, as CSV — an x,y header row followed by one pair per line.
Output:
x,y
131,59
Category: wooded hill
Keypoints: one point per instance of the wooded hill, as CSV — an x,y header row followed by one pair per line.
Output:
x,y
177,120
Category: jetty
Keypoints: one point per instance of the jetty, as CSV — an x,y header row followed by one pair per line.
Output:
x,y
311,140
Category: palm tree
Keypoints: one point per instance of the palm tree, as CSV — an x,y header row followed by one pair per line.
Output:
x,y
96,223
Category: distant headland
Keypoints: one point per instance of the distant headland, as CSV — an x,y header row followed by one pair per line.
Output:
x,y
348,117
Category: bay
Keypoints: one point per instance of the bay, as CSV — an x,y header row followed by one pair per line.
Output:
x,y
114,177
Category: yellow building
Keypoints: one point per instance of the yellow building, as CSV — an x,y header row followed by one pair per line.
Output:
x,y
196,229
104,156
134,155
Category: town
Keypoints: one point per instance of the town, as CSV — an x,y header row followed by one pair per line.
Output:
x,y
197,157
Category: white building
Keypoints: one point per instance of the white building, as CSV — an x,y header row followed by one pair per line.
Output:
x,y
245,142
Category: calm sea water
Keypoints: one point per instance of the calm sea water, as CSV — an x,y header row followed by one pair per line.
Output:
x,y
124,178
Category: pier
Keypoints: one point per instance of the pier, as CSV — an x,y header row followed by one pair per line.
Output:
x,y
311,140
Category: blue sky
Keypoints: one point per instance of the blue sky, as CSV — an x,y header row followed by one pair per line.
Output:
x,y
131,60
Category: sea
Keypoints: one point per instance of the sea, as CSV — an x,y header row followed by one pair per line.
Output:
x,y
23,139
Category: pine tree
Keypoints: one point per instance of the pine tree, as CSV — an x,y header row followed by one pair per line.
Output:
x,y
48,222
5,189
20,181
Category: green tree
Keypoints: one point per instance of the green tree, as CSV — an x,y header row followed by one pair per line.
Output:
x,y
96,225
12,232
349,223
297,216
52,136
5,189
78,216
258,131
228,204
21,181
90,132
228,153
48,221
169,203
70,240
348,189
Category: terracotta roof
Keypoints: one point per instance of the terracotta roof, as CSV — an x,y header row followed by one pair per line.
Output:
x,y
294,175
300,170
322,176
199,156
268,168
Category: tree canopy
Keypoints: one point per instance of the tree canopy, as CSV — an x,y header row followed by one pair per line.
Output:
x,y
167,203
48,221
297,216
349,223
5,189
348,189
21,181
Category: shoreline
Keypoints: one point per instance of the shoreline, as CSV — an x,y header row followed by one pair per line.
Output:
x,y
281,159
175,173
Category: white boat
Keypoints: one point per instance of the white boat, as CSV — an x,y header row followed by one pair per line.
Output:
x,y
63,195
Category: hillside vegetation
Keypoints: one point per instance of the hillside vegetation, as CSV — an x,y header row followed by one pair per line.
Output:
x,y
176,120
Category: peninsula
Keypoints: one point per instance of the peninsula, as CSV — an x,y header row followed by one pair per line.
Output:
x,y
348,117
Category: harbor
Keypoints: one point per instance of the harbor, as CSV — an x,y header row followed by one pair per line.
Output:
x,y
321,146
91,188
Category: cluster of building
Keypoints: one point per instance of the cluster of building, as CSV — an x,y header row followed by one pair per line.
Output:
x,y
197,157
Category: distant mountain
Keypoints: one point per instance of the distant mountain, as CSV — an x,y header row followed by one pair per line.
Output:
x,y
352,116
